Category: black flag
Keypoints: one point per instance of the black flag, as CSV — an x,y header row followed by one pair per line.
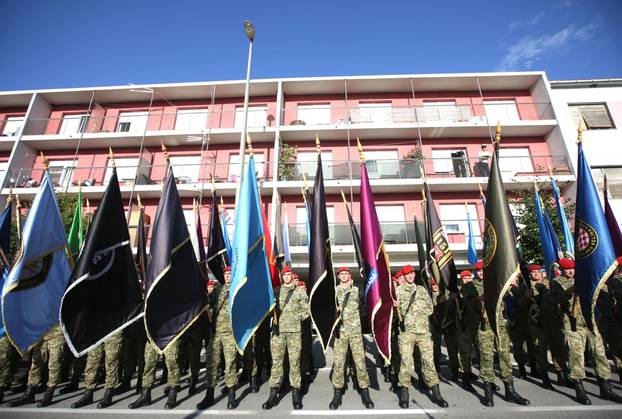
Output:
x,y
216,248
141,251
501,262
356,241
321,273
175,290
104,294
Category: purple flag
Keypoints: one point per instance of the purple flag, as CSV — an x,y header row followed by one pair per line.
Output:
x,y
378,286
612,223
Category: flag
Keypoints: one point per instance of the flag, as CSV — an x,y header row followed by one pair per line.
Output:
x,y
225,233
175,290
104,294
500,256
287,257
251,298
33,290
306,199
274,272
612,223
76,232
356,241
594,252
472,251
378,286
5,241
421,253
141,251
561,214
322,304
548,238
217,259
438,246
278,237
201,258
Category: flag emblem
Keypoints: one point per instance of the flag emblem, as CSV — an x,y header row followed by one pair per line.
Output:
x,y
34,273
587,239
490,242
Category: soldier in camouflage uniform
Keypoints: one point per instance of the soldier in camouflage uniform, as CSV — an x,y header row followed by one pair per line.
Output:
x,y
8,361
292,309
222,339
578,335
49,350
610,318
112,349
415,306
470,324
348,334
394,366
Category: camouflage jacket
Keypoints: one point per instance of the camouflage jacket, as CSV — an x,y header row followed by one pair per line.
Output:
x,y
351,313
218,302
417,318
565,297
296,310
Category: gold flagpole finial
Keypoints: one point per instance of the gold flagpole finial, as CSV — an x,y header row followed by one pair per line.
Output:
x,y
481,191
548,165
45,162
423,198
88,206
359,146
165,151
10,198
249,144
498,132
343,196
140,204
18,203
304,180
581,128
111,157
222,203
535,185
213,185
317,143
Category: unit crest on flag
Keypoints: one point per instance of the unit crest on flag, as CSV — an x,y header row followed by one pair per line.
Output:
x,y
490,242
587,240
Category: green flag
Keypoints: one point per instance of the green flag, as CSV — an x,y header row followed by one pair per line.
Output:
x,y
501,263
76,232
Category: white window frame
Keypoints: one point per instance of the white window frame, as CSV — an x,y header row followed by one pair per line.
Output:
x,y
64,170
137,120
514,160
445,111
443,161
314,114
126,169
73,124
13,126
234,166
191,119
595,115
501,111
186,169
375,112
306,162
382,164
454,219
257,116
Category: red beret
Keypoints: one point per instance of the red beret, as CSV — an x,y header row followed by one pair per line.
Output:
x,y
343,269
398,274
212,282
286,270
479,265
294,275
465,273
566,263
393,278
534,267
302,284
227,268
407,269
619,259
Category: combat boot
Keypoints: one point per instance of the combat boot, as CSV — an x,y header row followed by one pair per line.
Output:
x,y
85,399
404,397
607,393
367,402
73,385
208,400
512,396
296,399
437,398
171,400
522,371
546,381
272,399
466,383
192,386
336,402
488,394
125,385
106,401
47,397
255,383
231,402
26,398
143,400
581,394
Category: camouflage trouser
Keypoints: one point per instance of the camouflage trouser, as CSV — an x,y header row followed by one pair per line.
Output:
x,y
576,349
522,345
290,342
171,357
407,343
48,351
467,337
487,342
249,359
8,361
451,341
112,349
134,349
191,347
340,356
227,343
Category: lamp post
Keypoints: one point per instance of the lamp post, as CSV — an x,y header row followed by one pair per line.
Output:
x,y
249,30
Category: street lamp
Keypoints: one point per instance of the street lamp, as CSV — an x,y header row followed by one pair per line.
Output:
x,y
249,30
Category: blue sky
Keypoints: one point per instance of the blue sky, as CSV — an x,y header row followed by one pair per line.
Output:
x,y
74,43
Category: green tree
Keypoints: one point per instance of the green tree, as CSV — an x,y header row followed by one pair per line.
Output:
x,y
287,161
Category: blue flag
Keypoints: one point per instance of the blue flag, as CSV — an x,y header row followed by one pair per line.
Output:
x,y
472,251
251,298
548,238
561,214
5,239
595,256
225,234
34,288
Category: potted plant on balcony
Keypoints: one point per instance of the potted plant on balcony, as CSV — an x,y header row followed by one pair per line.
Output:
x,y
287,161
411,163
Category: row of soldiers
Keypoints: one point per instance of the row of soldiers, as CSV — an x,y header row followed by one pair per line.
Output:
x,y
536,317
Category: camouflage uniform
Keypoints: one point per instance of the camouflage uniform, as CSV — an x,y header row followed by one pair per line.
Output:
x,y
416,333
112,349
218,304
171,357
288,336
8,361
48,351
350,335
471,321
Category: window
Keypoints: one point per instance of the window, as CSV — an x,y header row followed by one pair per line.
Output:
x,y
3,168
614,182
596,116
314,114
374,112
191,119
451,161
445,111
126,169
515,160
132,122
257,116
382,164
300,237
391,218
13,125
186,168
454,219
61,172
234,166
73,124
501,111
306,163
